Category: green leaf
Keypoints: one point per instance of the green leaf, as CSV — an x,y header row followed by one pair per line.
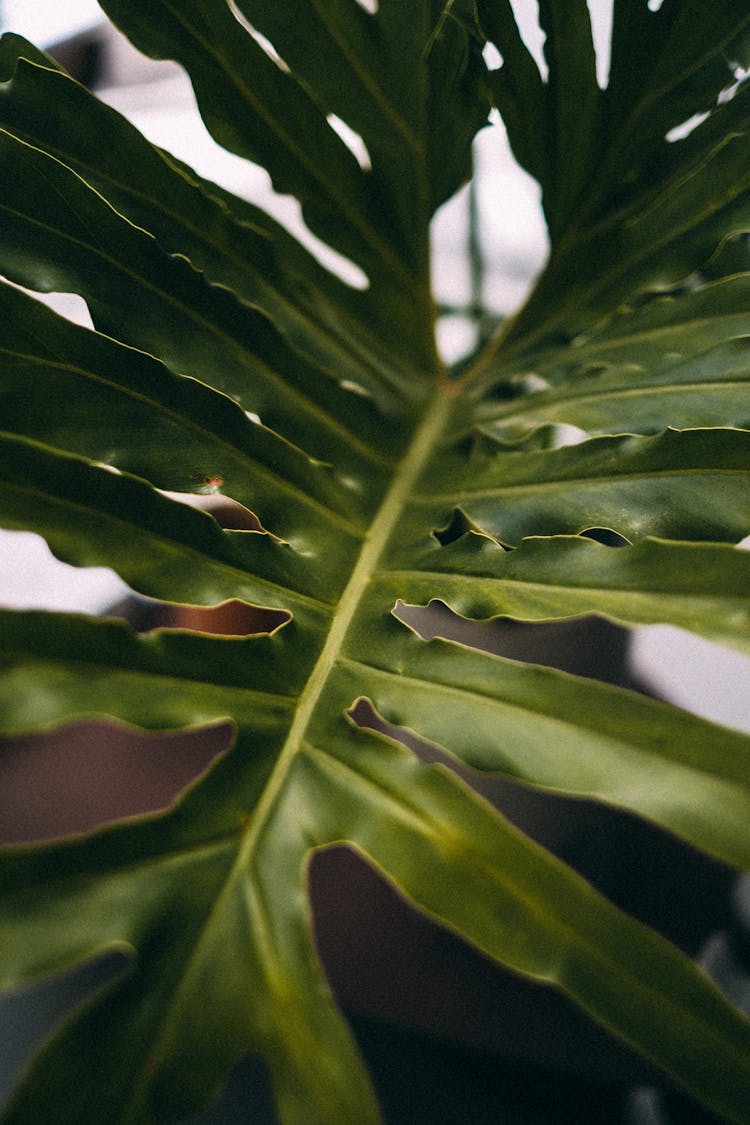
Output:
x,y
376,478
161,680
176,432
635,209
575,736
485,879
377,217
93,517
574,105
690,484
697,586
157,301
234,243
241,92
679,358
517,88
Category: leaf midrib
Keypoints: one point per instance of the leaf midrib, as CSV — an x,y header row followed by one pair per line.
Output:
x,y
412,465
420,450
422,446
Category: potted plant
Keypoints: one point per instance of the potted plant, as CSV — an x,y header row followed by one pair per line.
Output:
x,y
227,359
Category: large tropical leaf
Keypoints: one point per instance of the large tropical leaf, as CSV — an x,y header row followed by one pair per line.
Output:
x,y
375,477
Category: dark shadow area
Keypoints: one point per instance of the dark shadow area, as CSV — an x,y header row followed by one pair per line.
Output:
x,y
246,1098
421,1080
28,1015
450,1037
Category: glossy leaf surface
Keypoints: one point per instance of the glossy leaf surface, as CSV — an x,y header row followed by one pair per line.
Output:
x,y
225,360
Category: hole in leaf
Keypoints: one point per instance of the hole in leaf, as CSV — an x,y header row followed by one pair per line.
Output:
x,y
69,305
287,211
228,513
685,128
363,714
584,646
740,75
527,19
232,618
457,526
606,536
34,578
386,961
265,44
456,337
530,383
600,13
354,388
378,954
563,434
369,6
694,673
492,58
94,771
353,141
